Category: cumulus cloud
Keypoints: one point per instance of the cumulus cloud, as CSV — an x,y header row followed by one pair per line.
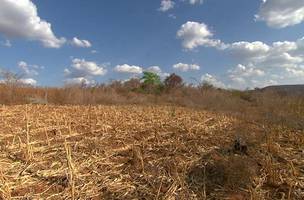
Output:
x,y
259,64
125,68
246,71
24,81
20,19
241,74
81,43
135,70
299,72
28,70
154,69
79,80
210,79
279,53
248,49
285,46
6,43
81,67
281,13
166,5
194,34
280,62
82,71
28,81
157,70
186,67
193,2
25,75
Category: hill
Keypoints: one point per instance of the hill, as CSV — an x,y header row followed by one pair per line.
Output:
x,y
294,90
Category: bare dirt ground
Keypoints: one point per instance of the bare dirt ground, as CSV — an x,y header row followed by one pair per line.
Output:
x,y
144,152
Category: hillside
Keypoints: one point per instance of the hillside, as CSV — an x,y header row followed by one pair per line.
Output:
x,y
293,90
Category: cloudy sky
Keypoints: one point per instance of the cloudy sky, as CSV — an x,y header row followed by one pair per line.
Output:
x,y
230,43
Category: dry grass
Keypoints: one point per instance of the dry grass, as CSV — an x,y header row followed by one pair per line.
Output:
x,y
144,152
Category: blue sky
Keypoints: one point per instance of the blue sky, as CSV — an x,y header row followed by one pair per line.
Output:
x,y
230,43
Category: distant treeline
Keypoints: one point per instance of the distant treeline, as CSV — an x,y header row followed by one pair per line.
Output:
x,y
150,89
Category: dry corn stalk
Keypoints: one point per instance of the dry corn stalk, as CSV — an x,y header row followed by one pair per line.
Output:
x,y
47,137
5,192
29,150
133,152
71,169
272,171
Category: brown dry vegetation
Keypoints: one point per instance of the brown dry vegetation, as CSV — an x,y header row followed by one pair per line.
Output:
x,y
190,143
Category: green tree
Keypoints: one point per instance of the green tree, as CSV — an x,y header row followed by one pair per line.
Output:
x,y
151,83
150,78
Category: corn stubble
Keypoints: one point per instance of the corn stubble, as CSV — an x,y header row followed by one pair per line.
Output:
x,y
144,152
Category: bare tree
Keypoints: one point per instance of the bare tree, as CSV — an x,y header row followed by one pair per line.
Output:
x,y
10,78
12,81
173,81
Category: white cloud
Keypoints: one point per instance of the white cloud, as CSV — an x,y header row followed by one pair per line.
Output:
x,y
6,43
285,46
79,80
81,43
277,54
194,34
157,70
248,49
26,74
125,68
22,64
240,75
132,69
296,72
28,81
186,67
26,69
154,69
281,63
94,51
281,13
166,5
83,71
246,71
259,64
82,68
208,78
172,16
20,19
193,2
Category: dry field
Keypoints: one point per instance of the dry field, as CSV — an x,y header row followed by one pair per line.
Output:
x,y
145,152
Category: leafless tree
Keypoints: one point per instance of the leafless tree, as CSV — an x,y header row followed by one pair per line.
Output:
x,y
10,78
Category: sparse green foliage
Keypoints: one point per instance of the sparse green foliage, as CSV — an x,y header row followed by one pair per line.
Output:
x,y
151,83
150,78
